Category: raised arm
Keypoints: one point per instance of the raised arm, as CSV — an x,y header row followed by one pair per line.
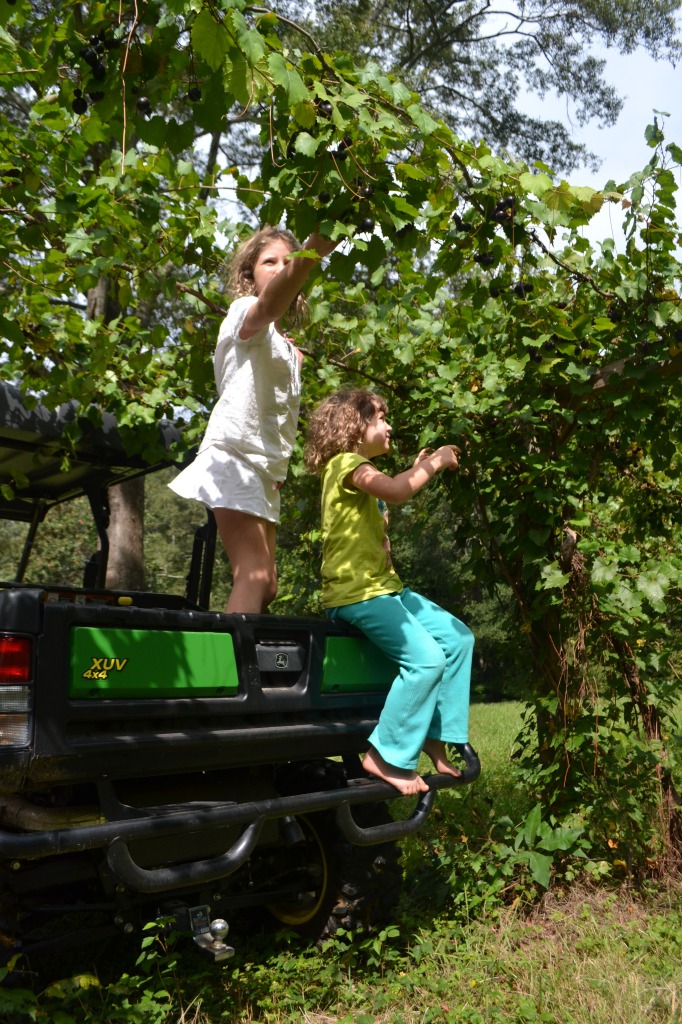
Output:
x,y
281,290
397,489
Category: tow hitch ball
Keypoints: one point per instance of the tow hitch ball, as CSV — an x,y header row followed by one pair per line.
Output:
x,y
210,935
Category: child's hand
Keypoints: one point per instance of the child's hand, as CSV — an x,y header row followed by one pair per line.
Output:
x,y
444,457
423,454
323,246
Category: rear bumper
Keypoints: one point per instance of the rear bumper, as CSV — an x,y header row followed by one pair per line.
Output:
x,y
136,824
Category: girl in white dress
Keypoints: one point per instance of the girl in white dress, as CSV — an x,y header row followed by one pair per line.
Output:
x,y
243,458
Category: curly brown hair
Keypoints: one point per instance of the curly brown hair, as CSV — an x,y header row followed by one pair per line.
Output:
x,y
239,272
339,424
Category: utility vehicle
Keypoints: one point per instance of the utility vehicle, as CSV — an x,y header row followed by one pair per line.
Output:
x,y
161,759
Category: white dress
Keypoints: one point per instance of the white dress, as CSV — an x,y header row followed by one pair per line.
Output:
x,y
251,431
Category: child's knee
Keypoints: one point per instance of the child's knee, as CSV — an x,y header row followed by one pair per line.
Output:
x,y
462,638
263,582
265,579
431,664
468,638
270,590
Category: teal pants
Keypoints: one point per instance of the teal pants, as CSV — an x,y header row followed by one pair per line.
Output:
x,y
429,698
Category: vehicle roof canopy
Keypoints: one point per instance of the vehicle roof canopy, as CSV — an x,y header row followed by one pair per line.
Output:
x,y
44,467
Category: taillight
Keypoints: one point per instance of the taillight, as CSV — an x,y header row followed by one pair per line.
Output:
x,y
15,693
15,659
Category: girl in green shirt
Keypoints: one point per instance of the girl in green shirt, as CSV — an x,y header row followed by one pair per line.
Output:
x,y
427,706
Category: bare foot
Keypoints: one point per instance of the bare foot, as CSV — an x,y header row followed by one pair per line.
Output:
x,y
405,781
436,750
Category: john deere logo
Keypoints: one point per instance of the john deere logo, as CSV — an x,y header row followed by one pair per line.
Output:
x,y
282,661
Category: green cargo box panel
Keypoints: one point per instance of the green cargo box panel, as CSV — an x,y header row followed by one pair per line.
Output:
x,y
355,665
150,663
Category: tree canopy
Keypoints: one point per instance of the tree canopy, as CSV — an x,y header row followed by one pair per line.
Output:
x,y
474,64
465,288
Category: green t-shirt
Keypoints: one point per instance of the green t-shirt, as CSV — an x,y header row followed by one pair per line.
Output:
x,y
355,564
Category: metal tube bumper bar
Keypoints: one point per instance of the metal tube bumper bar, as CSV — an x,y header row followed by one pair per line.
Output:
x,y
373,834
167,821
181,876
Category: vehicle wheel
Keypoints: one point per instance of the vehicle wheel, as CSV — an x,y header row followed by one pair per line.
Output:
x,y
352,887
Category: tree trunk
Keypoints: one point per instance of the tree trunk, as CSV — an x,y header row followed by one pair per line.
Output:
x,y
125,569
126,536
126,545
100,302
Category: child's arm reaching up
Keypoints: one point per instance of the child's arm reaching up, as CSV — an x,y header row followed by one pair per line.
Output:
x,y
397,489
281,290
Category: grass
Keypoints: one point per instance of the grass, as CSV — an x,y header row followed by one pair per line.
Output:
x,y
493,728
587,957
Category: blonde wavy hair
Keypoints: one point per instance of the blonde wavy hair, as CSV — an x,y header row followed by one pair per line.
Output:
x,y
239,271
338,425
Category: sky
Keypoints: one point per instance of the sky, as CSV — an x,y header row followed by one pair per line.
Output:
x,y
647,86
